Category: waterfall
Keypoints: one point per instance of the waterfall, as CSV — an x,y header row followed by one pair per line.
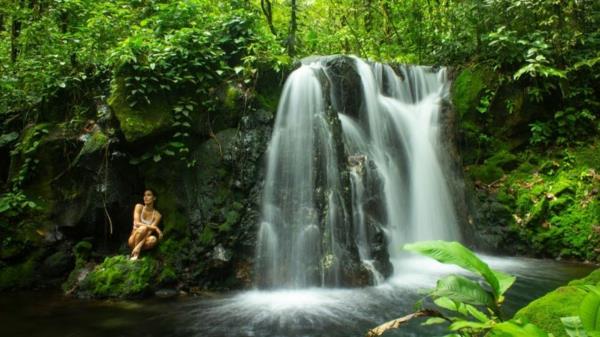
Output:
x,y
342,181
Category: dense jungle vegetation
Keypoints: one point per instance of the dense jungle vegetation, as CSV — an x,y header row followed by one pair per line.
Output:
x,y
167,81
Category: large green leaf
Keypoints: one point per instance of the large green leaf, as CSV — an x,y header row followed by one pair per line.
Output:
x,y
446,303
505,281
573,326
516,329
455,253
458,325
461,289
589,311
477,314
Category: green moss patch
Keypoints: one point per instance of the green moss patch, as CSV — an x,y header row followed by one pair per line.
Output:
x,y
555,207
119,277
139,122
20,275
545,312
468,88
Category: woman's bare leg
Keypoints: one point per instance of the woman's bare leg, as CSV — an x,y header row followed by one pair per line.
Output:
x,y
150,242
139,238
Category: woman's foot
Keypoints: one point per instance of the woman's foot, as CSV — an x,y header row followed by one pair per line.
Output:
x,y
135,254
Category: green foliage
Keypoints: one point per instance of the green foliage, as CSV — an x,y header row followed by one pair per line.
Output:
x,y
517,328
119,277
455,253
552,203
589,311
547,312
461,289
463,297
573,326
14,202
18,275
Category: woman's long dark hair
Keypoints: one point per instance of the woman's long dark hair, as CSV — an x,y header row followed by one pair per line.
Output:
x,y
154,194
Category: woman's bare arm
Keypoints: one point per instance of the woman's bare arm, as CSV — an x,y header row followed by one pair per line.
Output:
x,y
137,212
154,225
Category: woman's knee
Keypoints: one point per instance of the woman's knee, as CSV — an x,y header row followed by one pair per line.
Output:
x,y
150,242
141,230
131,241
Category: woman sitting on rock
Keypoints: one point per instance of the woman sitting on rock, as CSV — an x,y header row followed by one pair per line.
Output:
x,y
145,233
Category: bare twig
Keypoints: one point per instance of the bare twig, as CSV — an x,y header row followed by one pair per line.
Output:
x,y
396,323
212,135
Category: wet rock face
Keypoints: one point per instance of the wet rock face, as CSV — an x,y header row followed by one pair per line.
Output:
x,y
347,92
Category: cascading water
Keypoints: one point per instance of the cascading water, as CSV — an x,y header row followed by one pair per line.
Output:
x,y
402,140
336,180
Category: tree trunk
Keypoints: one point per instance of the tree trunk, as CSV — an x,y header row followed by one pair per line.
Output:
x,y
14,35
293,29
267,10
368,16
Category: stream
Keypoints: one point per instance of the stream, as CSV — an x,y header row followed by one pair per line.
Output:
x,y
290,313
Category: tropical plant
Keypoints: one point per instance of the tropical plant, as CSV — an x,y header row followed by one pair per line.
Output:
x,y
472,307
587,323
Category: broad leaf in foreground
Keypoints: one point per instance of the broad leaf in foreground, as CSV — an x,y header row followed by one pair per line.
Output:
x,y
461,289
455,253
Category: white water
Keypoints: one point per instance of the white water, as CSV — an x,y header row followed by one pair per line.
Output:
x,y
341,312
307,234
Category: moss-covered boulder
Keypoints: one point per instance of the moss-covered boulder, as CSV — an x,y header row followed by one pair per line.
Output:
x,y
545,312
57,264
468,88
494,167
551,201
118,277
140,120
21,274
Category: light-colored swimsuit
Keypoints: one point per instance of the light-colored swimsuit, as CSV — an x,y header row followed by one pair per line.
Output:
x,y
146,222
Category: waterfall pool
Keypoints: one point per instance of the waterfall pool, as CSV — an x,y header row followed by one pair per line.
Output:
x,y
278,313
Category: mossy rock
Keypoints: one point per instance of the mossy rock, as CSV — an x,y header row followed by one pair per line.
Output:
x,y
538,212
21,275
545,312
118,277
142,120
57,264
504,159
468,88
562,185
96,142
485,173
82,250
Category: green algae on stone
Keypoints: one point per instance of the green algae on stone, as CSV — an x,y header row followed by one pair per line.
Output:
x,y
21,275
82,252
97,141
494,167
139,122
485,173
118,277
467,89
546,312
555,206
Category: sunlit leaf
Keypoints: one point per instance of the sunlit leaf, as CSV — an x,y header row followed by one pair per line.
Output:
x,y
573,326
461,289
455,253
589,310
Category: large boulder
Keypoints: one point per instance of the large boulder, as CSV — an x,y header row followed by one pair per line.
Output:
x,y
546,311
119,277
142,120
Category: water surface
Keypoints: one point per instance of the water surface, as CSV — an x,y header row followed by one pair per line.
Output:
x,y
284,313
